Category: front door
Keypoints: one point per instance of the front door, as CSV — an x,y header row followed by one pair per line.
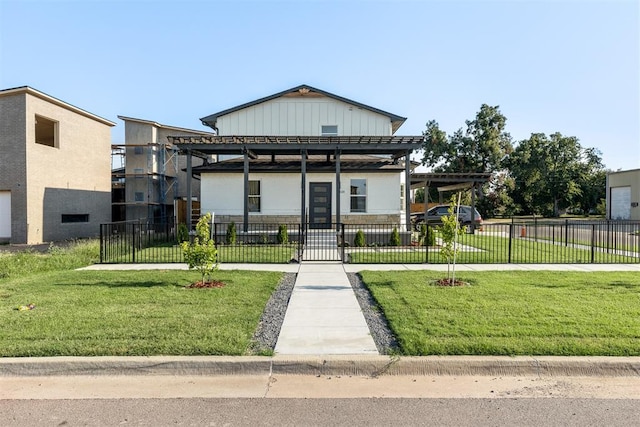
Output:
x,y
319,205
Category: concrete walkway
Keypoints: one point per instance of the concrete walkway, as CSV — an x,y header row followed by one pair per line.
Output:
x,y
323,315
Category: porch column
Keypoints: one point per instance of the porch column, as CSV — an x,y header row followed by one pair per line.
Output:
x,y
245,227
407,190
303,187
337,189
188,220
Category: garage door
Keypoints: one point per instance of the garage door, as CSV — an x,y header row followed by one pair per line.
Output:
x,y
621,203
5,214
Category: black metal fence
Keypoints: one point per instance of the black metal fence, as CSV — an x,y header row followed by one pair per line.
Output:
x,y
519,242
522,241
150,242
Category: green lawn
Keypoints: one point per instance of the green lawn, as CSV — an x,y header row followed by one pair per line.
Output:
x,y
90,313
490,249
512,313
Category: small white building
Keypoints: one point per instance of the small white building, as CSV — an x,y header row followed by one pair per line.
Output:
x,y
304,155
623,195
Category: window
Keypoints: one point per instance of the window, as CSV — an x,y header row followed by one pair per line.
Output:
x,y
358,195
46,132
70,218
329,130
138,150
254,196
139,196
402,207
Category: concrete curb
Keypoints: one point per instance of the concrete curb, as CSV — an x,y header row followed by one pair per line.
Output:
x,y
367,366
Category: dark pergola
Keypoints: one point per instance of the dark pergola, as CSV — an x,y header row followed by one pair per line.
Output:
x,y
450,181
253,146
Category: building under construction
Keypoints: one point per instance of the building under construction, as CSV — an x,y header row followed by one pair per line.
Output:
x,y
148,177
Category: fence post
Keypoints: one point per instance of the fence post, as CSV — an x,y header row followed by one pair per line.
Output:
x,y
101,243
510,241
426,243
133,242
342,242
593,242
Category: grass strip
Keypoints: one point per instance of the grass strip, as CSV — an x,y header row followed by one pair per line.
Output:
x,y
512,313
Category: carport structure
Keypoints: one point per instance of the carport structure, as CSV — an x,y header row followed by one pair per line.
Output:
x,y
250,147
450,182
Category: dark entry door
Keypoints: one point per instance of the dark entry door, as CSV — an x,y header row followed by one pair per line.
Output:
x,y
320,205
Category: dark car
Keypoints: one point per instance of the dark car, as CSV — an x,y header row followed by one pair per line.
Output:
x,y
435,214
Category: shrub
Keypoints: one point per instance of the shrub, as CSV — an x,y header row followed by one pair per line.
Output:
x,y
183,232
231,234
427,236
359,241
202,254
394,240
283,235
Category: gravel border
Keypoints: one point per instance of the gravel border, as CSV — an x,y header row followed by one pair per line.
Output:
x,y
383,337
266,335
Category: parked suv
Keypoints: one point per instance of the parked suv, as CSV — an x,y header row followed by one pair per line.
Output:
x,y
435,214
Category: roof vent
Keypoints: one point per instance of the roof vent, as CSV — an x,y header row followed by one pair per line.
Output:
x,y
303,91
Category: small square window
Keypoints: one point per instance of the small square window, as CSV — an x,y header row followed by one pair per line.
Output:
x,y
139,196
46,132
138,150
329,130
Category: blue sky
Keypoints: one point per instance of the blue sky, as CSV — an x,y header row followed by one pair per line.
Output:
x,y
552,66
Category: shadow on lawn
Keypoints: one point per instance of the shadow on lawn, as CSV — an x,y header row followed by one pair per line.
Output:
x,y
128,284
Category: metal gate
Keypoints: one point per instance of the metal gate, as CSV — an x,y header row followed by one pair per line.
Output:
x,y
321,244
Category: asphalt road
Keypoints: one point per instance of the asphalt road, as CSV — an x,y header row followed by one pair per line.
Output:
x,y
321,412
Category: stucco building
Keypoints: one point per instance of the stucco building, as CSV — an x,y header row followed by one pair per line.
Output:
x,y
623,195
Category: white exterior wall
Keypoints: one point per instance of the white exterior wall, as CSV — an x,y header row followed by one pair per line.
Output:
x,y
303,116
222,193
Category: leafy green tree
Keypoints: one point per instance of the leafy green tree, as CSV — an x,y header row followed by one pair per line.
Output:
x,y
482,147
552,173
201,254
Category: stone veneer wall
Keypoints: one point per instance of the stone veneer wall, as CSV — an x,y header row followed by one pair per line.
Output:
x,y
387,219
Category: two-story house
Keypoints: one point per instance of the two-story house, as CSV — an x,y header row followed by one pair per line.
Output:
x,y
304,155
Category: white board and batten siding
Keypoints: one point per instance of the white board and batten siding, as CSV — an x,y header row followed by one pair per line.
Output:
x,y
223,193
304,116
5,215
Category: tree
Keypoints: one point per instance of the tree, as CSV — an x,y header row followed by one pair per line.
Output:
x,y
201,254
450,230
551,173
480,148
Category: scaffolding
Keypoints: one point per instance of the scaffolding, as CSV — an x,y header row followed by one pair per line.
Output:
x,y
144,181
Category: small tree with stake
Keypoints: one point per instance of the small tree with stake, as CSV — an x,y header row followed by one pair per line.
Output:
x,y
449,232
201,254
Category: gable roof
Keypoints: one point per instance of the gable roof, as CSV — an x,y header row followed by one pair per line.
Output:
x,y
60,103
168,127
396,121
